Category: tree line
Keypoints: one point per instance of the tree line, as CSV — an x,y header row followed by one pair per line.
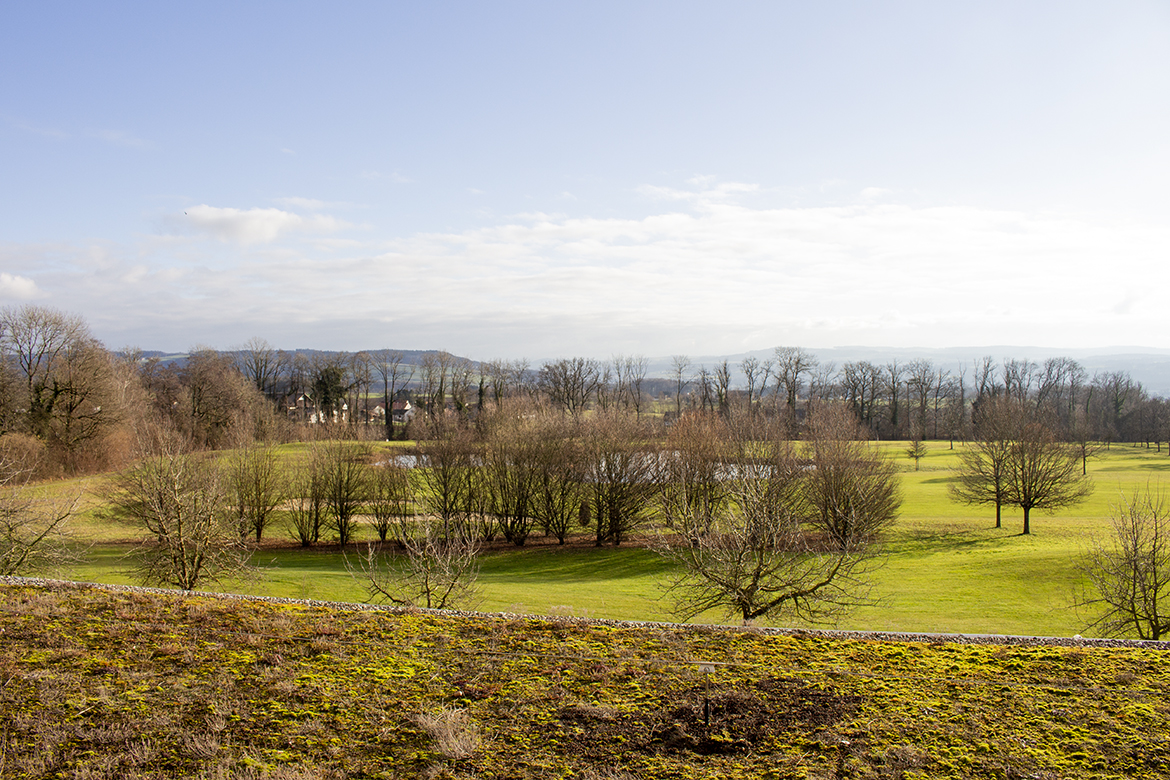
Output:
x,y
78,407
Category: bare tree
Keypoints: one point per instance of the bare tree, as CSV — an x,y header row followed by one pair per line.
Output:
x,y
260,362
447,476
436,369
920,377
621,382
722,379
560,490
942,386
65,376
1080,434
986,384
862,381
570,382
756,375
680,365
1116,392
463,376
792,363
434,571
33,528
507,379
957,407
693,493
389,501
510,464
1130,574
360,370
760,558
1043,472
37,339
300,382
344,469
214,405
916,451
983,475
636,366
1018,379
822,383
308,510
706,386
621,472
851,489
1059,384
256,486
181,500
893,387
395,375
606,389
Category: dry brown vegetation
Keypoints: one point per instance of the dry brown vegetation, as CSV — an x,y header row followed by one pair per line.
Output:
x,y
101,683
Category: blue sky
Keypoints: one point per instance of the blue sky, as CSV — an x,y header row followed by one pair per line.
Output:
x,y
538,179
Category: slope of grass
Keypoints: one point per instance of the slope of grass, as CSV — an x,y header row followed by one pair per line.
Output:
x,y
97,684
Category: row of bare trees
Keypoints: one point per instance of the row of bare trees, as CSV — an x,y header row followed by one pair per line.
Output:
x,y
918,399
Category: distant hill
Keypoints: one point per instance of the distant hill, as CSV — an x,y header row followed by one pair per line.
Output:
x,y
410,356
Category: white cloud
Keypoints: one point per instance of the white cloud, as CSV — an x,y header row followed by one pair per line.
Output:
x,y
394,177
254,226
19,287
46,132
705,275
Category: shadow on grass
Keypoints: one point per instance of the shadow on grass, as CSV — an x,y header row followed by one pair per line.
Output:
x,y
574,564
951,537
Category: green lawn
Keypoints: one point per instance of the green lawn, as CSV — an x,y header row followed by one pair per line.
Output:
x,y
946,567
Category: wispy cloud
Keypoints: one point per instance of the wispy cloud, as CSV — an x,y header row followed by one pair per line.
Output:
x,y
121,138
106,135
252,226
393,176
28,127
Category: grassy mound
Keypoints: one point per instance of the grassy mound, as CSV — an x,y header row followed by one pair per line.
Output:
x,y
110,684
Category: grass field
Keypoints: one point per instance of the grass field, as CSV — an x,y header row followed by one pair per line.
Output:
x,y
946,567
107,685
